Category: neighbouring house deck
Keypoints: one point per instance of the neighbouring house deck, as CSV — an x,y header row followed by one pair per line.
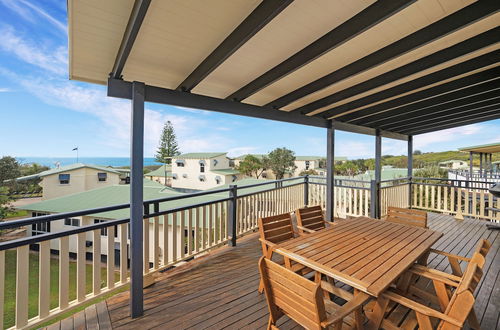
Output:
x,y
220,290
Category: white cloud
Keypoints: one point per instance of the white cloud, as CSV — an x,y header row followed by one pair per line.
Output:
x,y
452,134
354,149
5,90
238,151
54,61
26,9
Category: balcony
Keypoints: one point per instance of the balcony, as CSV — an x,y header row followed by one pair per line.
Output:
x,y
202,263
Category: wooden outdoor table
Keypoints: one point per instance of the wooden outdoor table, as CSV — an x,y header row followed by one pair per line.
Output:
x,y
364,253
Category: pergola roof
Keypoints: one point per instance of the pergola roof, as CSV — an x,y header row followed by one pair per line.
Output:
x,y
485,148
398,66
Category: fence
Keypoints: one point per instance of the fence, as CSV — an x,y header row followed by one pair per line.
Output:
x,y
170,236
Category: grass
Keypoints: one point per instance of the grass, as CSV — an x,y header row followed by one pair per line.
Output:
x,y
16,213
10,284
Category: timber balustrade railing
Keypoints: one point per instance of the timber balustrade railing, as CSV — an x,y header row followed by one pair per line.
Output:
x,y
92,260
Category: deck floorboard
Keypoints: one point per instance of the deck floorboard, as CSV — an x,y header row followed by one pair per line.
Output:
x,y
220,291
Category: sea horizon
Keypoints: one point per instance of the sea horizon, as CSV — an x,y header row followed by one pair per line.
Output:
x,y
101,161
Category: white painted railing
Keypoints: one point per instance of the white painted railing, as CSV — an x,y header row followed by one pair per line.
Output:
x,y
396,195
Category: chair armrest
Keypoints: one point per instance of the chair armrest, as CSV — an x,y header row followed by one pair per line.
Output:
x,y
350,306
435,275
307,230
450,255
268,243
419,308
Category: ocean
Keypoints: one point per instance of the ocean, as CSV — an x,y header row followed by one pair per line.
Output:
x,y
102,161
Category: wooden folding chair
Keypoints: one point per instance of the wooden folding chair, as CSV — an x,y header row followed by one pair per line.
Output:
x,y
454,310
288,293
410,217
483,247
274,230
310,219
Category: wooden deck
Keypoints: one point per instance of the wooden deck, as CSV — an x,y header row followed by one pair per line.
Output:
x,y
220,291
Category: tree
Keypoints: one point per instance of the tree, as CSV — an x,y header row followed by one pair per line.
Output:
x,y
281,162
348,168
253,166
9,169
168,145
417,152
308,172
5,200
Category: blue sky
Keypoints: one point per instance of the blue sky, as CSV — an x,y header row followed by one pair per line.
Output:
x,y
44,114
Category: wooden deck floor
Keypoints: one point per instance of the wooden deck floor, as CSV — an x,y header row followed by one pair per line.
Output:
x,y
220,292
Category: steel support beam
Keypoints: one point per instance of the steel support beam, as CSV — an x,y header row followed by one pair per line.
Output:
x,y
359,23
465,47
375,209
232,214
123,89
410,167
136,200
446,25
459,122
254,22
481,164
134,24
361,108
330,180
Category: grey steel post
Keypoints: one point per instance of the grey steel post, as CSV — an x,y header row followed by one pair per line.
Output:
x,y
481,164
410,167
306,190
232,212
378,173
136,200
330,152
374,198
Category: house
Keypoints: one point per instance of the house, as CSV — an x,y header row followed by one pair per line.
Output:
x,y
162,174
454,164
202,170
75,178
302,163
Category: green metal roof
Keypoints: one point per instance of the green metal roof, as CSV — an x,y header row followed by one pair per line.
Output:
x,y
67,168
200,155
488,148
160,171
259,156
226,171
309,157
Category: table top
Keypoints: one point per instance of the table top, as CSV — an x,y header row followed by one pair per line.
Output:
x,y
364,253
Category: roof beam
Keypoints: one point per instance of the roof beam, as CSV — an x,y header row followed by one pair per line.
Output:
x,y
367,130
465,112
359,23
425,35
254,22
123,89
134,24
474,120
465,47
474,93
350,108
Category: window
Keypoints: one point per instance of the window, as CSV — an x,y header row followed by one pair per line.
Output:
x,y
234,178
72,222
217,179
180,163
40,227
307,165
104,231
102,177
185,176
64,178
215,162
174,176
201,178
202,168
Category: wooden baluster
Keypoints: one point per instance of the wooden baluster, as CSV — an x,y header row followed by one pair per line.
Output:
x,y
474,212
175,234
190,232
439,205
197,231
481,204
421,190
2,285
156,242
182,236
123,253
63,272
466,201
22,278
445,199
145,245
204,237
43,279
96,262
81,258
210,226
490,203
110,259
165,249
452,200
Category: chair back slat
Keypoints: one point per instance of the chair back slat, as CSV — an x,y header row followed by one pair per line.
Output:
x,y
291,294
410,217
483,248
310,217
462,301
276,228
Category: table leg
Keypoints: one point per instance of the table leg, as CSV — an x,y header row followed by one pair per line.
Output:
x,y
376,316
358,315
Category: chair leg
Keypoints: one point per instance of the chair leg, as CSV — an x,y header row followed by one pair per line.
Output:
x,y
473,321
261,286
